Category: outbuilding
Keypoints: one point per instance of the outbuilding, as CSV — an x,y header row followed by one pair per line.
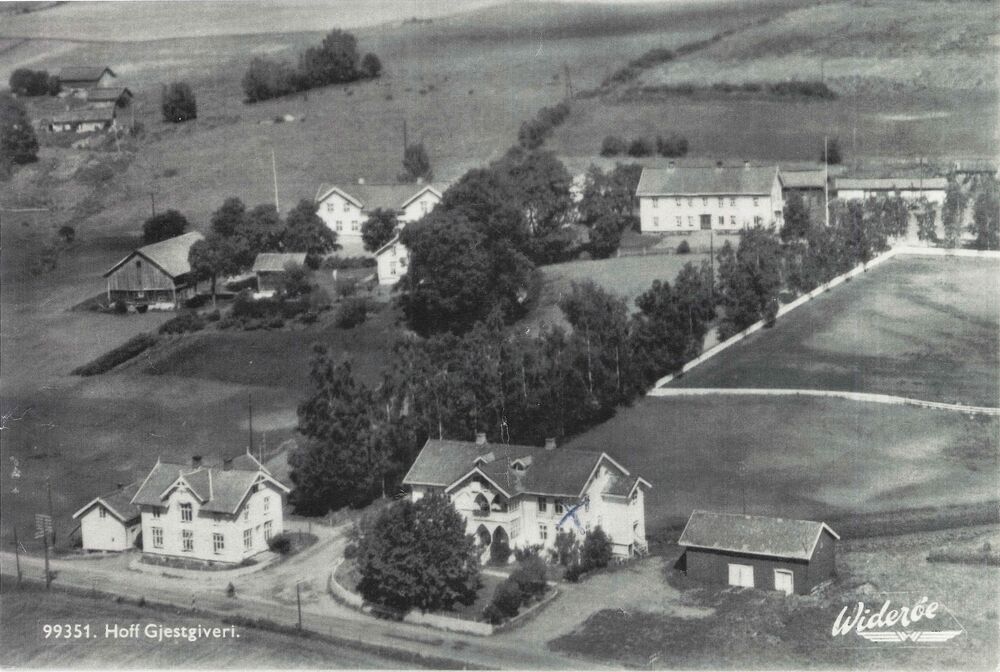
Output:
x,y
908,188
116,96
110,522
270,267
391,260
792,556
156,274
83,77
84,120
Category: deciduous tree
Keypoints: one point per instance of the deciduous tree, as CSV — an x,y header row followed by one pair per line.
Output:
x,y
18,143
179,103
985,212
305,231
164,225
379,228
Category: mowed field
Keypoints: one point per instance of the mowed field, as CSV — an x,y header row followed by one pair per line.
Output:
x,y
805,457
926,328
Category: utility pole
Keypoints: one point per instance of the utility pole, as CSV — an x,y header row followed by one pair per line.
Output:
x,y
711,259
17,555
826,182
405,139
569,81
48,487
48,574
274,174
298,601
152,202
250,409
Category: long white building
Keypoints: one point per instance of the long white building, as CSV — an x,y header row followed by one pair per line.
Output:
x,y
908,188
721,198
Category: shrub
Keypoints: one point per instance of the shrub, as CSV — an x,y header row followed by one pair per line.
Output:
x,y
574,572
613,146
183,323
530,576
179,103
673,145
213,316
567,547
507,599
771,313
120,307
196,301
350,551
684,248
25,82
308,317
499,552
596,550
341,263
67,233
276,323
230,590
641,147
352,313
124,352
280,543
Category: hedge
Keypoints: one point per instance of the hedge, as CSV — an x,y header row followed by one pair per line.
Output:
x,y
124,352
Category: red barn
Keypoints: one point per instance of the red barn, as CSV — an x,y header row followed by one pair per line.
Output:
x,y
792,556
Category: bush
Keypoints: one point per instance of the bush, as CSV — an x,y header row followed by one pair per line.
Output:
x,y
596,550
506,602
352,313
230,590
67,233
196,301
567,547
120,307
341,263
672,146
684,248
613,146
530,576
771,313
183,323
308,317
213,316
350,551
165,225
179,103
574,572
641,147
25,82
124,352
280,543
276,323
499,552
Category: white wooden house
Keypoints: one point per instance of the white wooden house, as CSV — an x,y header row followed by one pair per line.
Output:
x,y
392,261
524,495
110,522
908,188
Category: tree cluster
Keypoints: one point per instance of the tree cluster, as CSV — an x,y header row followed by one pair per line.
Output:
x,y
527,582
672,145
18,143
416,164
168,224
178,104
534,132
607,206
985,213
335,61
26,82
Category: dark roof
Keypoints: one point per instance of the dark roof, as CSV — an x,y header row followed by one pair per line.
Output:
x,y
385,196
84,73
803,179
560,471
171,254
757,535
706,181
220,490
107,94
276,261
119,502
85,114
891,183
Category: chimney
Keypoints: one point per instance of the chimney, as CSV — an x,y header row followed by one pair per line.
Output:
x,y
196,461
361,180
480,438
550,443
671,165
420,180
746,165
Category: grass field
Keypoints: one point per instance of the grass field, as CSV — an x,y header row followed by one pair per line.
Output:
x,y
24,646
805,457
927,328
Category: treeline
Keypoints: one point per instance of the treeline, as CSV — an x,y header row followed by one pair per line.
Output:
x,y
671,145
794,87
660,55
360,440
534,132
27,82
335,61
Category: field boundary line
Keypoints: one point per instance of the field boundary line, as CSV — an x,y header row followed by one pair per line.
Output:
x,y
869,397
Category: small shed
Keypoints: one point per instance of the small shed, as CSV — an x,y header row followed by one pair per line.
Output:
x,y
110,522
117,96
84,120
269,267
792,556
83,77
155,274
809,184
391,260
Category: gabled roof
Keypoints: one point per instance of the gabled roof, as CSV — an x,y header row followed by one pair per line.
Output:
x,y
756,535
85,114
891,183
385,196
395,239
276,262
218,489
170,255
118,502
84,73
710,181
803,179
559,472
107,94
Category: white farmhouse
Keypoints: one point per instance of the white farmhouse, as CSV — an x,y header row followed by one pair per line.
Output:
x,y
720,198
345,209
523,495
213,514
392,259
110,522
908,188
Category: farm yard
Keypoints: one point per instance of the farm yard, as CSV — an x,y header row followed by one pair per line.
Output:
x,y
926,328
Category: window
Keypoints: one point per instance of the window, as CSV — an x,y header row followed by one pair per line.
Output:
x,y
267,530
187,541
354,225
186,513
542,504
722,220
690,220
340,225
392,268
704,200
104,512
656,202
680,221
218,543
347,207
722,201
267,504
331,207
543,531
756,201
758,220
732,202
157,537
656,222
423,207
156,512
690,202
558,507
402,262
246,513
741,575
732,221
514,505
138,264
677,202
247,539
635,496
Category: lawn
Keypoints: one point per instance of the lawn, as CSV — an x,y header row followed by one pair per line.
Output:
x,y
805,457
23,643
927,328
755,629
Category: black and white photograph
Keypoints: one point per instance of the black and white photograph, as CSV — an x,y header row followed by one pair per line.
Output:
x,y
500,334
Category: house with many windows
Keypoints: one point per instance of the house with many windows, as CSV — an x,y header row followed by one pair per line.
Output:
x,y
524,495
345,208
222,514
682,199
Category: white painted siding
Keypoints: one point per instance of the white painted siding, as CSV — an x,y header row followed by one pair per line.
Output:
x,y
105,533
725,212
393,262
935,196
418,208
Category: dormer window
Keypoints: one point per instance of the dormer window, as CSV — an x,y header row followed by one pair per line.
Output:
x,y
186,513
103,512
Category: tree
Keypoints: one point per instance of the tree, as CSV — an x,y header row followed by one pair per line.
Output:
x,y
305,231
830,153
613,145
268,78
229,218
641,147
263,231
985,213
596,550
533,133
25,82
164,225
673,145
18,144
416,164
379,228
179,103
295,281
67,233
417,555
749,279
796,223
371,66
669,331
606,234
216,256
926,225
952,214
